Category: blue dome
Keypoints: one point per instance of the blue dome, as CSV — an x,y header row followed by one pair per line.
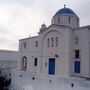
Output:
x,y
65,10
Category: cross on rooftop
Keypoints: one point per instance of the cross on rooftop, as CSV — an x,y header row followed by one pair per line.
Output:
x,y
64,5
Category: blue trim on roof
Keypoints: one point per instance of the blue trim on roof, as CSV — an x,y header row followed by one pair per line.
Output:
x,y
65,10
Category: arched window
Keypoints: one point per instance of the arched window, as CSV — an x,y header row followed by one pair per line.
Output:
x,y
56,41
58,20
24,45
69,19
35,61
24,63
52,41
36,43
48,42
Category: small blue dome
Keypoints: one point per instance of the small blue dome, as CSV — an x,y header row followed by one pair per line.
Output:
x,y
65,10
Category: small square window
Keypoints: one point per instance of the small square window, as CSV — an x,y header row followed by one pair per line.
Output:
x,y
77,54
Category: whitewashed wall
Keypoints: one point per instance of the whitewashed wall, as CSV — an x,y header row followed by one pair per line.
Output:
x,y
8,59
84,41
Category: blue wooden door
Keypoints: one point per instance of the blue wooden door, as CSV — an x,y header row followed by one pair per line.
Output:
x,y
51,66
77,66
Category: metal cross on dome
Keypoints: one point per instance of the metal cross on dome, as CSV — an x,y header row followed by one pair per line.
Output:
x,y
64,5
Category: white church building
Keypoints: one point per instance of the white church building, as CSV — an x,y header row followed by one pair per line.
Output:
x,y
61,49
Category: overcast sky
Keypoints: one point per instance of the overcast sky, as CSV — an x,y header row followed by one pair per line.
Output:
x,y
23,18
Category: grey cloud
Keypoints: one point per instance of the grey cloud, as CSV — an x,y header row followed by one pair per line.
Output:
x,y
7,43
4,30
46,8
12,2
4,40
83,10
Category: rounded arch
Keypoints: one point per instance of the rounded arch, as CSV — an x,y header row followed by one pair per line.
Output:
x,y
24,63
47,34
52,33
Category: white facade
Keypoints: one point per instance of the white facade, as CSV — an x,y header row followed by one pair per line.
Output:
x,y
8,59
62,49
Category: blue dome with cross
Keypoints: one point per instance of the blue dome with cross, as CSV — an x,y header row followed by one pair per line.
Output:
x,y
65,10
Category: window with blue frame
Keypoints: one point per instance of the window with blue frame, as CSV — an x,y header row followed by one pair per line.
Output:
x,y
77,67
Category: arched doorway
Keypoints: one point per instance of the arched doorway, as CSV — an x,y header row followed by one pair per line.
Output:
x,y
24,63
